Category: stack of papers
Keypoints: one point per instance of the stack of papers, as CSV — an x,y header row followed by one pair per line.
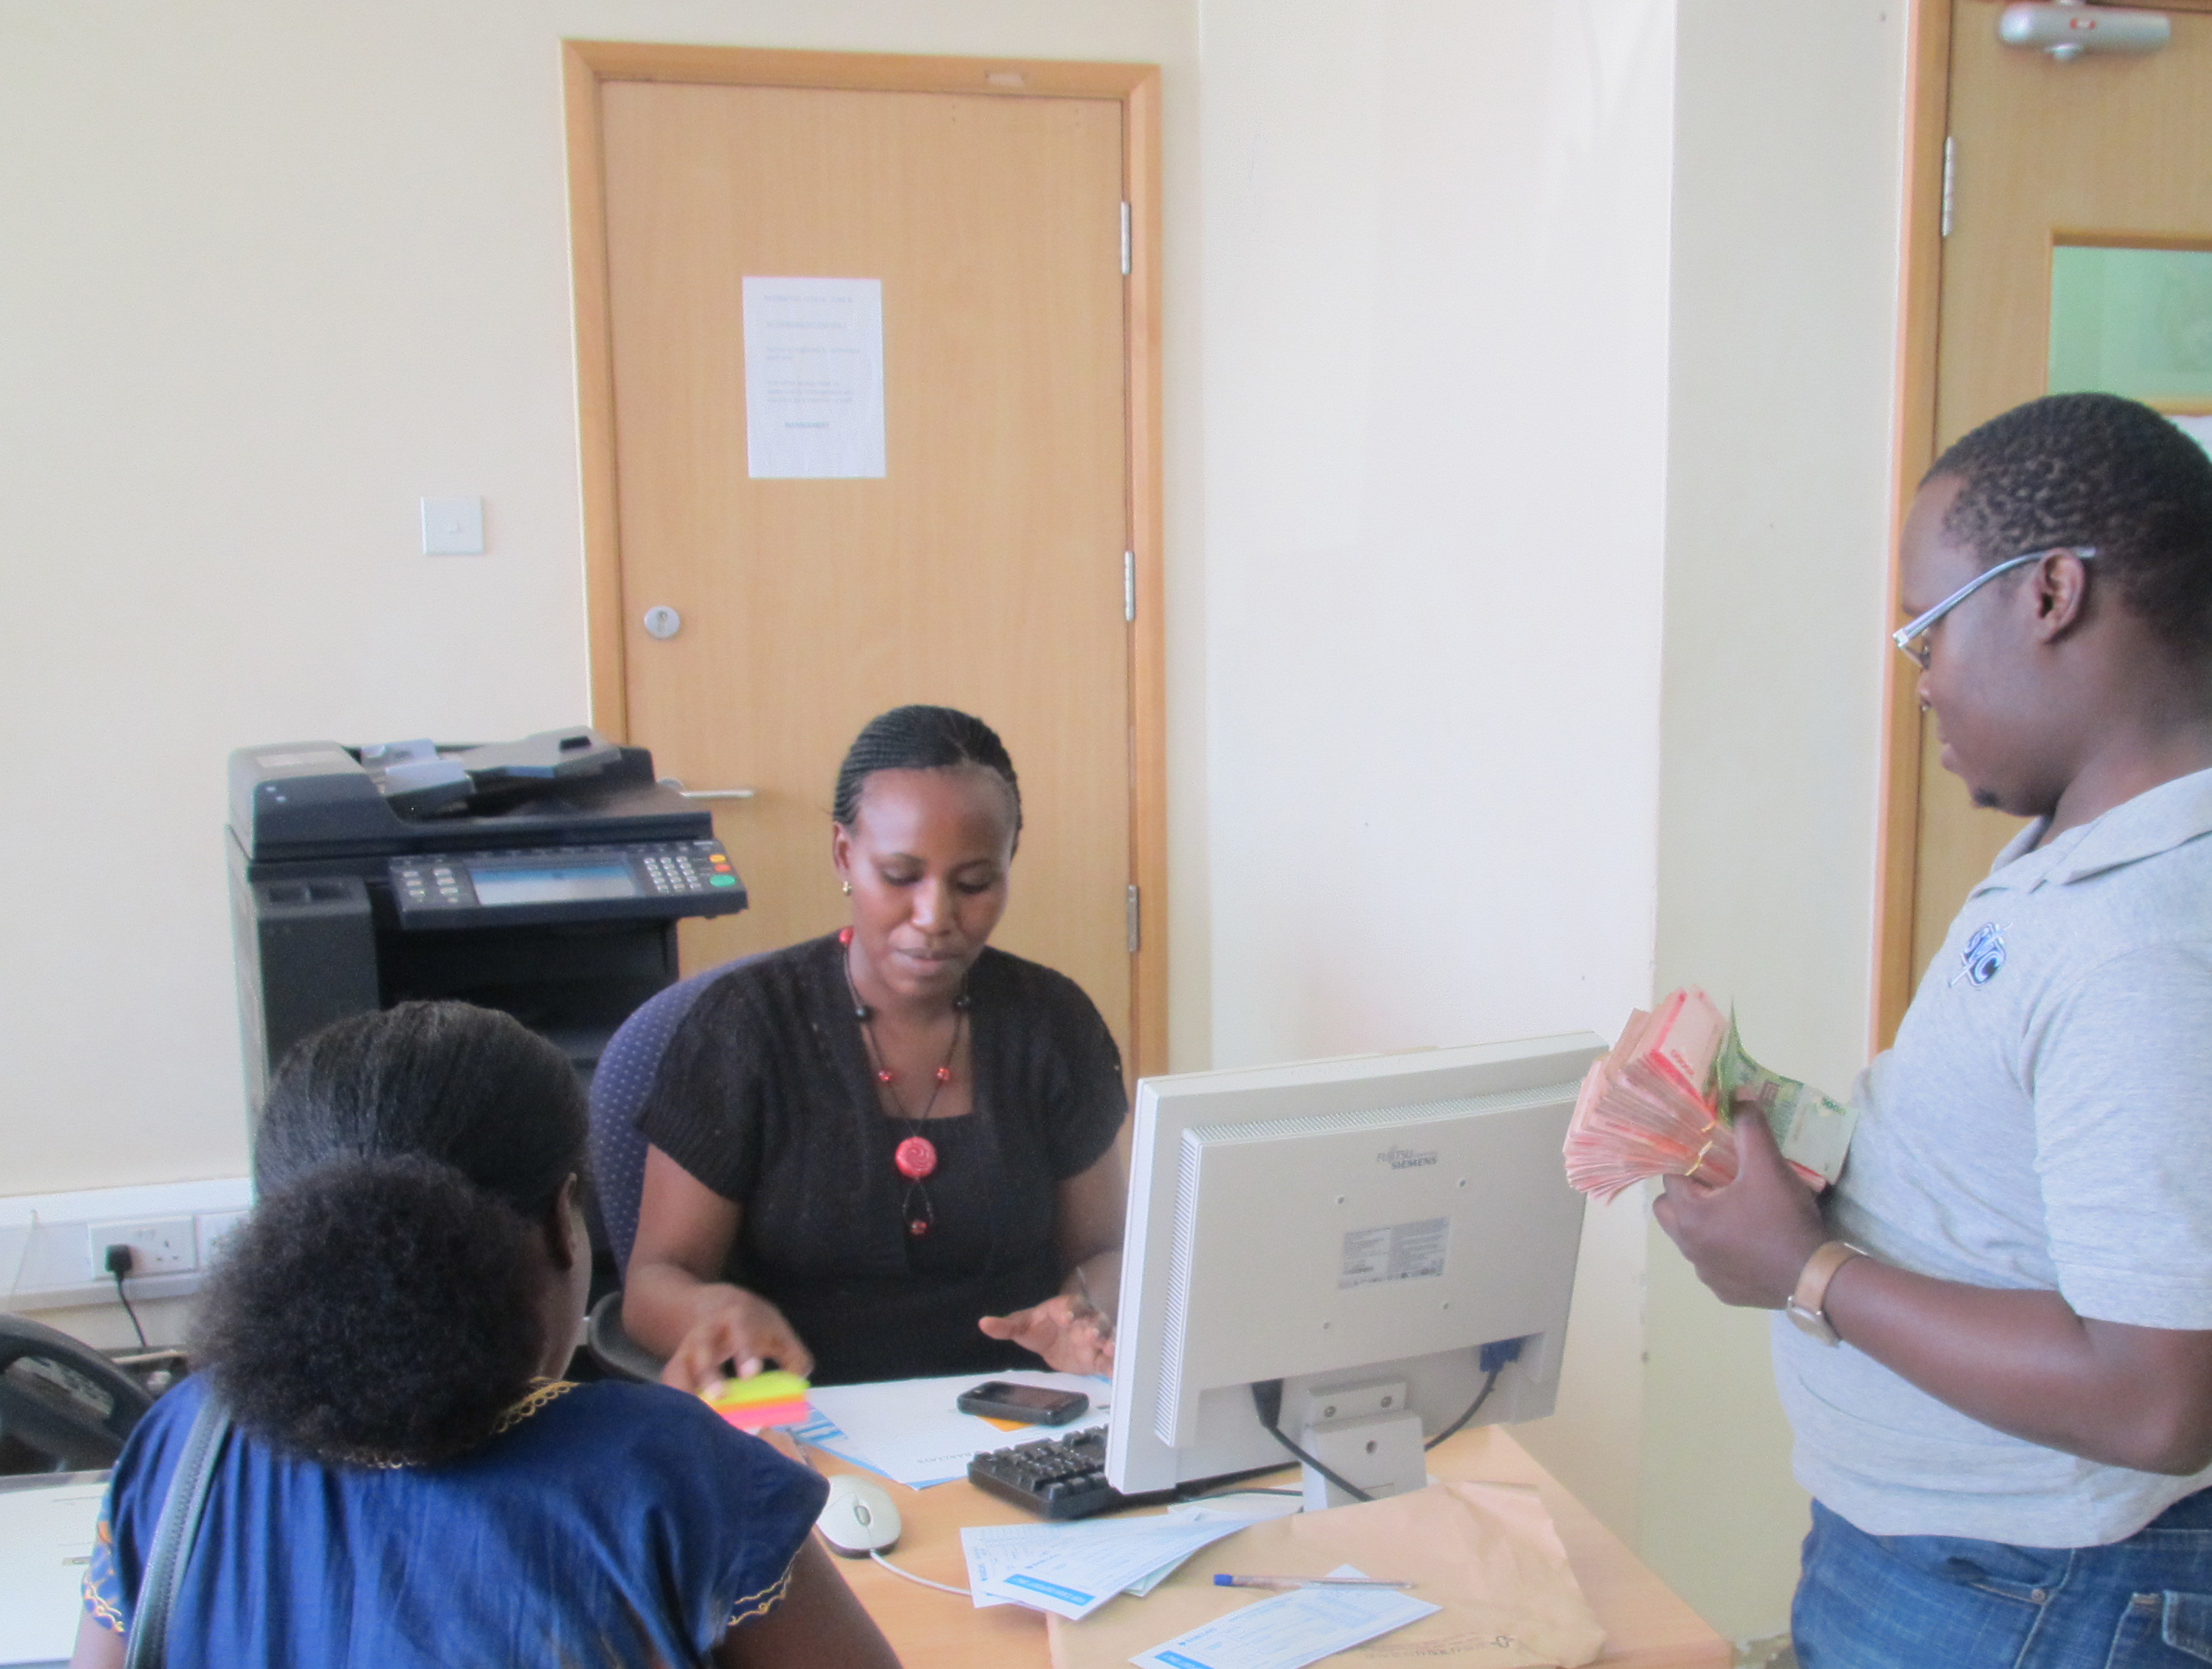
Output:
x,y
1071,1570
1291,1630
911,1431
47,1525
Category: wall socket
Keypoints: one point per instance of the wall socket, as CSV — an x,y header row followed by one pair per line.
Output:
x,y
159,1246
214,1227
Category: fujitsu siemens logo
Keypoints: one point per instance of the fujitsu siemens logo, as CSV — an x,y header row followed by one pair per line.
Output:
x,y
1400,1158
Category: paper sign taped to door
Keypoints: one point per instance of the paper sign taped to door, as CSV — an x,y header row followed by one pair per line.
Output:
x,y
814,378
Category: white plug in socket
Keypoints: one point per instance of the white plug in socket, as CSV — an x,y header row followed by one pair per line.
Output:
x,y
159,1246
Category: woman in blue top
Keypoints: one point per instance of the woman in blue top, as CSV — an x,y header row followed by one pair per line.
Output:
x,y
407,1483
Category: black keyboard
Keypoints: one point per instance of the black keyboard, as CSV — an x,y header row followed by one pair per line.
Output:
x,y
1056,1477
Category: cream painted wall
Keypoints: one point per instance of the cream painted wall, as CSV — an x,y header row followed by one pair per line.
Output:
x,y
1490,331
1434,343
278,272
1787,143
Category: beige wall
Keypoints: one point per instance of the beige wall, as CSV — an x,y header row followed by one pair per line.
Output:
x,y
1789,124
277,272
1528,381
1434,363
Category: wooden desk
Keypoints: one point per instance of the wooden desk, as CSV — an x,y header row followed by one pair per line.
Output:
x,y
1646,1626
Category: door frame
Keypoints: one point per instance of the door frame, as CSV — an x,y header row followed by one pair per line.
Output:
x,y
586,66
1926,123
1920,300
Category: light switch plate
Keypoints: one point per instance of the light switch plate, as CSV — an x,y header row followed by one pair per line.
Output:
x,y
452,527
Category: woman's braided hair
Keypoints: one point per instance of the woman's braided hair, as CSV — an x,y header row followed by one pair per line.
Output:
x,y
381,1304
2094,470
921,738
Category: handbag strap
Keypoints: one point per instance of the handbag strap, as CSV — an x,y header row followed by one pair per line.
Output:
x,y
173,1537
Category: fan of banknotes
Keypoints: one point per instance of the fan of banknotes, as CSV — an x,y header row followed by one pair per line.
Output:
x,y
1664,1103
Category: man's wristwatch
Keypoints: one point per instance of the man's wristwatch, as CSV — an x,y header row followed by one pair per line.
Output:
x,y
1805,1306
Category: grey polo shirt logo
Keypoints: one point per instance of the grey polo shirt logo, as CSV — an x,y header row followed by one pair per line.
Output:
x,y
1984,953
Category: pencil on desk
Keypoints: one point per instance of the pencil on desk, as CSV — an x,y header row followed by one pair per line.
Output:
x,y
1226,1581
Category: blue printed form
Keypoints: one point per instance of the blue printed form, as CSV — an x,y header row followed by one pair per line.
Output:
x,y
1291,1630
1071,1570
1007,1561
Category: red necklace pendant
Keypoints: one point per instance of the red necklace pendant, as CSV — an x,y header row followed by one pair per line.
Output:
x,y
915,1157
918,1227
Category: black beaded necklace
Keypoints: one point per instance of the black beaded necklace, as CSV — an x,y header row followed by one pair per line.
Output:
x,y
915,1157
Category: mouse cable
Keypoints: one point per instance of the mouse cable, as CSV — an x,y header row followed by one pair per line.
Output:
x,y
942,1587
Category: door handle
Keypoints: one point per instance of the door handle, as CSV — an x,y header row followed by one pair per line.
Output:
x,y
677,783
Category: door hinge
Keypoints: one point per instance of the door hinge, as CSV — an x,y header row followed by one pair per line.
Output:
x,y
1136,923
1128,585
1125,240
1950,174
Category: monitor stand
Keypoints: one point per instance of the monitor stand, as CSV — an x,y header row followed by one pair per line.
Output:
x,y
1368,1436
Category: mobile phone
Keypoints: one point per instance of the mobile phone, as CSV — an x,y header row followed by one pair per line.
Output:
x,y
1002,1399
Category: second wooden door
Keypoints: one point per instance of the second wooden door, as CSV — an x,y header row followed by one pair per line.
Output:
x,y
2049,158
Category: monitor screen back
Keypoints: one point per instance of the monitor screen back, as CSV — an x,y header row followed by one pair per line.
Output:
x,y
1338,1224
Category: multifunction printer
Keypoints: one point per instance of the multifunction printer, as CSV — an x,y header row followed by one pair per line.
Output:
x,y
544,878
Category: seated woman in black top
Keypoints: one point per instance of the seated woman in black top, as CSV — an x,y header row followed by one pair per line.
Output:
x,y
887,1152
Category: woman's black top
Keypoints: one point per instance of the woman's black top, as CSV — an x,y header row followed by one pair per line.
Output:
x,y
766,1096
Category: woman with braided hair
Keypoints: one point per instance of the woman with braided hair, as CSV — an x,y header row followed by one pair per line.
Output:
x,y
890,1151
408,1484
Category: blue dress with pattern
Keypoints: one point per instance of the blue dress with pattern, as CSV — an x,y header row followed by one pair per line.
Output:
x,y
605,1525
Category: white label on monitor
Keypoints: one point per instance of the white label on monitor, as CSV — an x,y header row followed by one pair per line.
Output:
x,y
1402,1251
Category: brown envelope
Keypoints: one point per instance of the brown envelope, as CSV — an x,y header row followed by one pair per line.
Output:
x,y
1486,1552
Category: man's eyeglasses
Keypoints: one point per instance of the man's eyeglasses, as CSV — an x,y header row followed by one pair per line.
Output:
x,y
1912,638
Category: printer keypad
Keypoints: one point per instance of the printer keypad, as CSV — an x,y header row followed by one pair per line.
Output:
x,y
693,866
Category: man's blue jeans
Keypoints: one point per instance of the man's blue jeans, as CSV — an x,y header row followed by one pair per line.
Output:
x,y
1944,1602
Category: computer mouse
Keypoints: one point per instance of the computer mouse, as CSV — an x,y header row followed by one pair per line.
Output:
x,y
857,1519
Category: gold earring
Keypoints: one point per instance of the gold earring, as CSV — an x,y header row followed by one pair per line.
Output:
x,y
848,888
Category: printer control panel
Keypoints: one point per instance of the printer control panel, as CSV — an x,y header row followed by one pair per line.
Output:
x,y
642,878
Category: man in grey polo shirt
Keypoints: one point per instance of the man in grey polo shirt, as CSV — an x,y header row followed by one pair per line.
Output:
x,y
1997,1357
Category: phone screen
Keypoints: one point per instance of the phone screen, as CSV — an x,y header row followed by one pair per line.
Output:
x,y
1009,1400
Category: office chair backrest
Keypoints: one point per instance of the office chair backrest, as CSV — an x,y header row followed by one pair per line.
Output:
x,y
64,1407
620,1087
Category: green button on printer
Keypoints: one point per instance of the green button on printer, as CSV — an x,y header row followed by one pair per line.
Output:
x,y
723,880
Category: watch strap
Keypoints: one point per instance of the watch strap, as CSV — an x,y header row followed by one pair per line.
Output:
x,y
1812,1293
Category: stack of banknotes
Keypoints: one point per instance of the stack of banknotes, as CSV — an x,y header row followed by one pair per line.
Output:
x,y
1664,1103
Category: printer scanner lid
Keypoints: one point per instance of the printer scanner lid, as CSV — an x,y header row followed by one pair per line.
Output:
x,y
293,800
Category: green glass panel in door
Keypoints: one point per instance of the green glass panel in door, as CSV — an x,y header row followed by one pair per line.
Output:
x,y
2136,322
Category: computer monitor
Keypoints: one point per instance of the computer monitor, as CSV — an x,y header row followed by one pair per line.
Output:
x,y
1374,1242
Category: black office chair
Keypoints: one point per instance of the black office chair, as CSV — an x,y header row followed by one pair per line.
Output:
x,y
620,1086
64,1407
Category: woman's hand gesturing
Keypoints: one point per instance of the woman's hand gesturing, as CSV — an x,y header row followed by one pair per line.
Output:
x,y
745,1330
1069,1334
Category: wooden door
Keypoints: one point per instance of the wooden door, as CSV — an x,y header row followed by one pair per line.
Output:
x,y
986,568
2045,157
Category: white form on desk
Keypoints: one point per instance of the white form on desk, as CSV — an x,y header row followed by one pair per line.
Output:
x,y
1080,1559
1291,1630
1083,1566
46,1529
911,1431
